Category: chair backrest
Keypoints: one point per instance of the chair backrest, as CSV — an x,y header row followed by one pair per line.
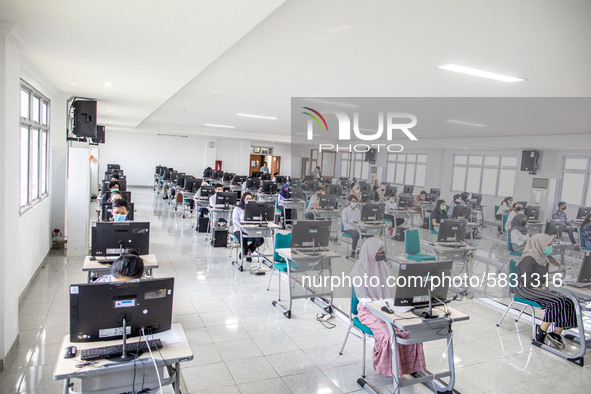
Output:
x,y
505,217
281,241
431,222
581,239
354,302
496,210
413,242
513,272
509,243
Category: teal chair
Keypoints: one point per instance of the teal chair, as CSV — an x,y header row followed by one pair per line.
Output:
x,y
504,235
431,224
583,245
362,330
510,247
282,241
413,247
513,271
345,235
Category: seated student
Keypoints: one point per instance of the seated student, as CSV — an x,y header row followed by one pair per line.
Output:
x,y
515,210
504,209
283,196
371,264
438,214
350,215
238,217
376,184
114,177
457,199
218,188
421,197
113,187
380,194
531,285
313,203
275,175
560,214
126,268
120,210
518,233
391,204
464,196
355,191
586,232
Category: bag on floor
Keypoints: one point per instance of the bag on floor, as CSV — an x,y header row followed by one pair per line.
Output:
x,y
400,235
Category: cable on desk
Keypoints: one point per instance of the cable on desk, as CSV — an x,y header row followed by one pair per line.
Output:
x,y
153,360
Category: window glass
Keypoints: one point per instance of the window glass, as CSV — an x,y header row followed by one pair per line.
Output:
x,y
421,158
509,161
34,164
575,164
44,113
24,104
491,161
460,159
43,163
506,182
410,174
475,160
24,166
420,175
572,188
489,181
36,107
473,179
458,179
400,173
390,172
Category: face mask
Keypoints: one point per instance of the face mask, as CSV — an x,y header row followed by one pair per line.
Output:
x,y
353,204
380,256
518,209
423,198
114,190
119,217
548,250
443,207
509,203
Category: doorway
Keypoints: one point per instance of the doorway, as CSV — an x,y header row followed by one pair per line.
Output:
x,y
304,170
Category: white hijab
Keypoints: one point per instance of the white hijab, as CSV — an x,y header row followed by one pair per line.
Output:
x,y
367,266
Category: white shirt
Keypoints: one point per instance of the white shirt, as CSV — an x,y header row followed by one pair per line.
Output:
x,y
348,216
391,205
503,209
281,199
510,217
237,215
313,201
518,238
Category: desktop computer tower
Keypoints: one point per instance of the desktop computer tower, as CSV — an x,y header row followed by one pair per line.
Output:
x,y
203,224
219,238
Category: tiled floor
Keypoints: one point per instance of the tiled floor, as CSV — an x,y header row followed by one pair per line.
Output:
x,y
244,345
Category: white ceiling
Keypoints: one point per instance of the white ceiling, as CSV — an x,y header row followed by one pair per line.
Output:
x,y
180,64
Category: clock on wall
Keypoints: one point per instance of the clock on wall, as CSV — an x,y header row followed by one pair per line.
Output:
x,y
211,144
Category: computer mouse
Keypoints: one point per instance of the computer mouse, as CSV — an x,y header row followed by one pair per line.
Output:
x,y
92,258
71,352
387,310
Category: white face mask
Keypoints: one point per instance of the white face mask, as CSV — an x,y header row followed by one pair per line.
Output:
x,y
353,204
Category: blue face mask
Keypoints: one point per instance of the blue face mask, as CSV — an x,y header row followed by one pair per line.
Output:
x,y
353,204
115,189
117,217
548,250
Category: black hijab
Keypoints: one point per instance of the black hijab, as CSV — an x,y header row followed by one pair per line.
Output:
x,y
242,202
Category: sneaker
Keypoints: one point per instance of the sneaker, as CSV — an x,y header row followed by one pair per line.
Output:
x,y
540,334
249,259
556,340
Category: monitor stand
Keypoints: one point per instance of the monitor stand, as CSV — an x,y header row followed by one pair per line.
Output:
x,y
124,356
426,313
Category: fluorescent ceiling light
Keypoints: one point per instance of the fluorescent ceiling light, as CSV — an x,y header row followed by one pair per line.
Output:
x,y
479,73
466,123
109,84
219,125
328,102
258,116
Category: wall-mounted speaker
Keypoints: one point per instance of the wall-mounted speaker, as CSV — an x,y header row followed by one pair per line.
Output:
x,y
529,161
370,156
100,135
84,118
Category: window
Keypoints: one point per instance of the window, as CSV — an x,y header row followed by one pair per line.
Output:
x,y
575,187
360,166
487,174
34,138
345,161
406,169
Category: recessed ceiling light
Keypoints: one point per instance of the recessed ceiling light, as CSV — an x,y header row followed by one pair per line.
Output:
x,y
258,116
479,73
109,84
219,125
466,123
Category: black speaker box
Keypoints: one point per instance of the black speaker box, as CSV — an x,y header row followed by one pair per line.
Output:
x,y
84,118
529,160
100,135
370,156
203,224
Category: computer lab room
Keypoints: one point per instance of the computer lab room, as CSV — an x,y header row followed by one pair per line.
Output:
x,y
295,196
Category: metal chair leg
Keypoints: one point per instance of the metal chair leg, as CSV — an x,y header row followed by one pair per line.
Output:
x,y
505,314
270,278
345,341
533,322
363,360
520,313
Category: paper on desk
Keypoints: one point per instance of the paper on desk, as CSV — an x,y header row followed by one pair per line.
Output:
x,y
169,338
397,309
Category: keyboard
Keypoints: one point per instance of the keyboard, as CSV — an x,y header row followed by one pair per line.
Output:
x,y
579,285
117,350
452,244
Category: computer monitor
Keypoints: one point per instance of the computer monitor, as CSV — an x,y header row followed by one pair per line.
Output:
x,y
391,191
113,238
334,189
408,189
207,173
435,190
345,183
281,179
523,204
310,234
364,186
259,211
256,174
268,187
327,202
225,199
180,180
97,309
297,193
452,230
194,184
239,179
476,198
253,183
166,175
583,212
296,182
406,201
265,176
158,170
206,191
554,227
532,212
217,175
372,212
585,270
122,185
308,177
113,167
188,183
313,185
431,197
125,195
423,285
107,211
367,195
461,211
228,176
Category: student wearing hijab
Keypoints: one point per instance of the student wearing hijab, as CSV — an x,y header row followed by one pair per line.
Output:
x,y
457,200
438,214
586,232
533,265
518,233
283,196
238,217
372,263
381,193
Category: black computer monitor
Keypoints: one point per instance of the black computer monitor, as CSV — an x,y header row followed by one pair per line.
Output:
x,y
217,175
431,197
408,189
364,186
391,191
372,212
167,174
554,227
107,211
188,182
239,179
113,167
281,179
268,187
461,211
265,176
122,185
125,195
97,309
583,212
367,196
180,180
297,193
259,211
532,212
111,238
225,198
476,198
310,233
296,182
158,170
256,174
436,190
585,270
206,191
421,280
327,202
334,189
523,204
253,183
194,185
452,230
345,182
313,185
228,176
406,201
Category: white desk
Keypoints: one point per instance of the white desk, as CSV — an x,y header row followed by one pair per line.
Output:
x,y
462,253
100,266
368,230
298,206
114,377
421,330
253,231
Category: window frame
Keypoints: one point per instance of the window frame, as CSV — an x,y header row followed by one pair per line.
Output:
x,y
586,173
392,159
481,167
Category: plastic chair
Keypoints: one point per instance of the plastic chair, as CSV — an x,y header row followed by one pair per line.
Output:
x,y
413,247
504,234
510,247
345,235
513,272
582,243
362,331
431,224
282,241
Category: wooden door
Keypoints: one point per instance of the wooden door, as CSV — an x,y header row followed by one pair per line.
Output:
x,y
255,164
275,165
304,170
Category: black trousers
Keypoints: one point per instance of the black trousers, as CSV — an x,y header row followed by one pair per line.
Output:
x,y
249,247
354,236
